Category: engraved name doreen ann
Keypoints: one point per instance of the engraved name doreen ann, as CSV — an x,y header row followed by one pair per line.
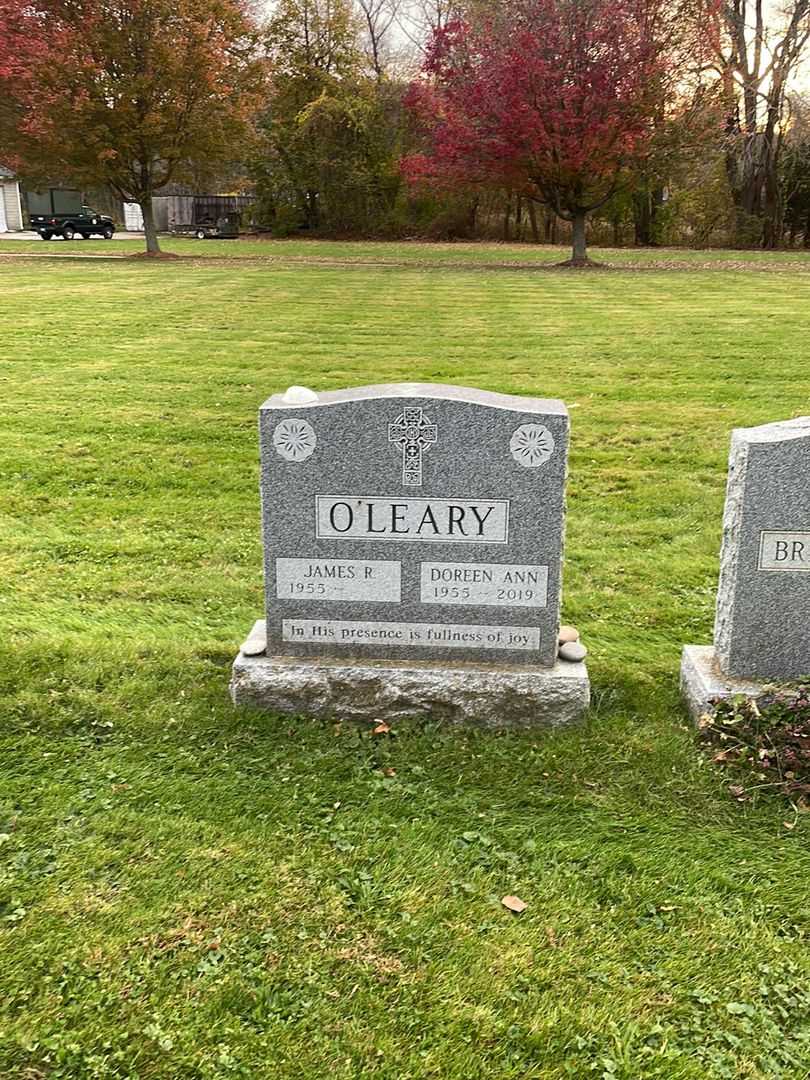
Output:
x,y
475,574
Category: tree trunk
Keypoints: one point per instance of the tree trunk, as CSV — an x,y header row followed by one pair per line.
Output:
x,y
506,214
579,250
745,170
646,206
472,215
312,208
806,240
533,222
152,244
772,227
772,205
579,253
642,219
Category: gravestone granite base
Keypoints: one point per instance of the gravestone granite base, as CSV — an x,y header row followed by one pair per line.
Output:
x,y
703,681
491,695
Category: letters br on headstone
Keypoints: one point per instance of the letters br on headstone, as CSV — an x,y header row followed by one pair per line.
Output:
x,y
414,522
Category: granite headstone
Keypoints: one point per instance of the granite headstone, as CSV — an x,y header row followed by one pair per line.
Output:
x,y
413,524
762,624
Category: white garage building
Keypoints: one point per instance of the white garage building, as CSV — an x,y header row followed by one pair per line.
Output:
x,y
11,219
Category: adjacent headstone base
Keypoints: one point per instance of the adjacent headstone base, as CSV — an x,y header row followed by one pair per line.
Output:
x,y
702,681
489,695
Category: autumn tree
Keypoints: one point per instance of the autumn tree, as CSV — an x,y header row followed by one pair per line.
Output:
x,y
554,99
133,94
22,44
758,50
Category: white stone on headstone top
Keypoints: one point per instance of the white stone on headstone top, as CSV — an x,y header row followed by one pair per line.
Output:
x,y
299,395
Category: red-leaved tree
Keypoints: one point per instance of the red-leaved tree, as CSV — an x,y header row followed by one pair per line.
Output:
x,y
555,99
131,94
23,46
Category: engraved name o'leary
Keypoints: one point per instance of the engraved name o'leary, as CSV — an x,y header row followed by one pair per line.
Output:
x,y
462,521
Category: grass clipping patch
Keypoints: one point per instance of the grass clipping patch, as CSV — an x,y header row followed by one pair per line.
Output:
x,y
764,742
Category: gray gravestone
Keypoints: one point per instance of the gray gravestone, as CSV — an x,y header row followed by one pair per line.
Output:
x,y
762,626
411,524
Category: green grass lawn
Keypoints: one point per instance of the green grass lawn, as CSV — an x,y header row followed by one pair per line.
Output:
x,y
414,253
188,892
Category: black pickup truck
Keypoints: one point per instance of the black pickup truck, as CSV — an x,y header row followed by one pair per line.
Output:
x,y
84,223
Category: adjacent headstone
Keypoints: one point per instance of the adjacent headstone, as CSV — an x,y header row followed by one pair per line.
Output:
x,y
762,626
413,541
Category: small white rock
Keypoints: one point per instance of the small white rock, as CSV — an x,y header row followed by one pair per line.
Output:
x,y
255,645
573,651
568,633
299,395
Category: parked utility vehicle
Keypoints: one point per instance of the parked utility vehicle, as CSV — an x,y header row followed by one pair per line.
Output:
x,y
86,223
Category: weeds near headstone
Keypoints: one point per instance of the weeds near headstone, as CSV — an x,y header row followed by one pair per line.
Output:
x,y
764,742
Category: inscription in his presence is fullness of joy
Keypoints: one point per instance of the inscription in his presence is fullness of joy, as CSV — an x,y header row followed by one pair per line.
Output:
x,y
494,584
428,635
373,580
459,521
784,550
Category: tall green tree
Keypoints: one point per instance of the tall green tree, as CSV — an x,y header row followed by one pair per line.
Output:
x,y
332,122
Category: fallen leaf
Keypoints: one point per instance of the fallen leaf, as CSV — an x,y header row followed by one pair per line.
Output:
x,y
514,903
789,824
381,729
389,772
